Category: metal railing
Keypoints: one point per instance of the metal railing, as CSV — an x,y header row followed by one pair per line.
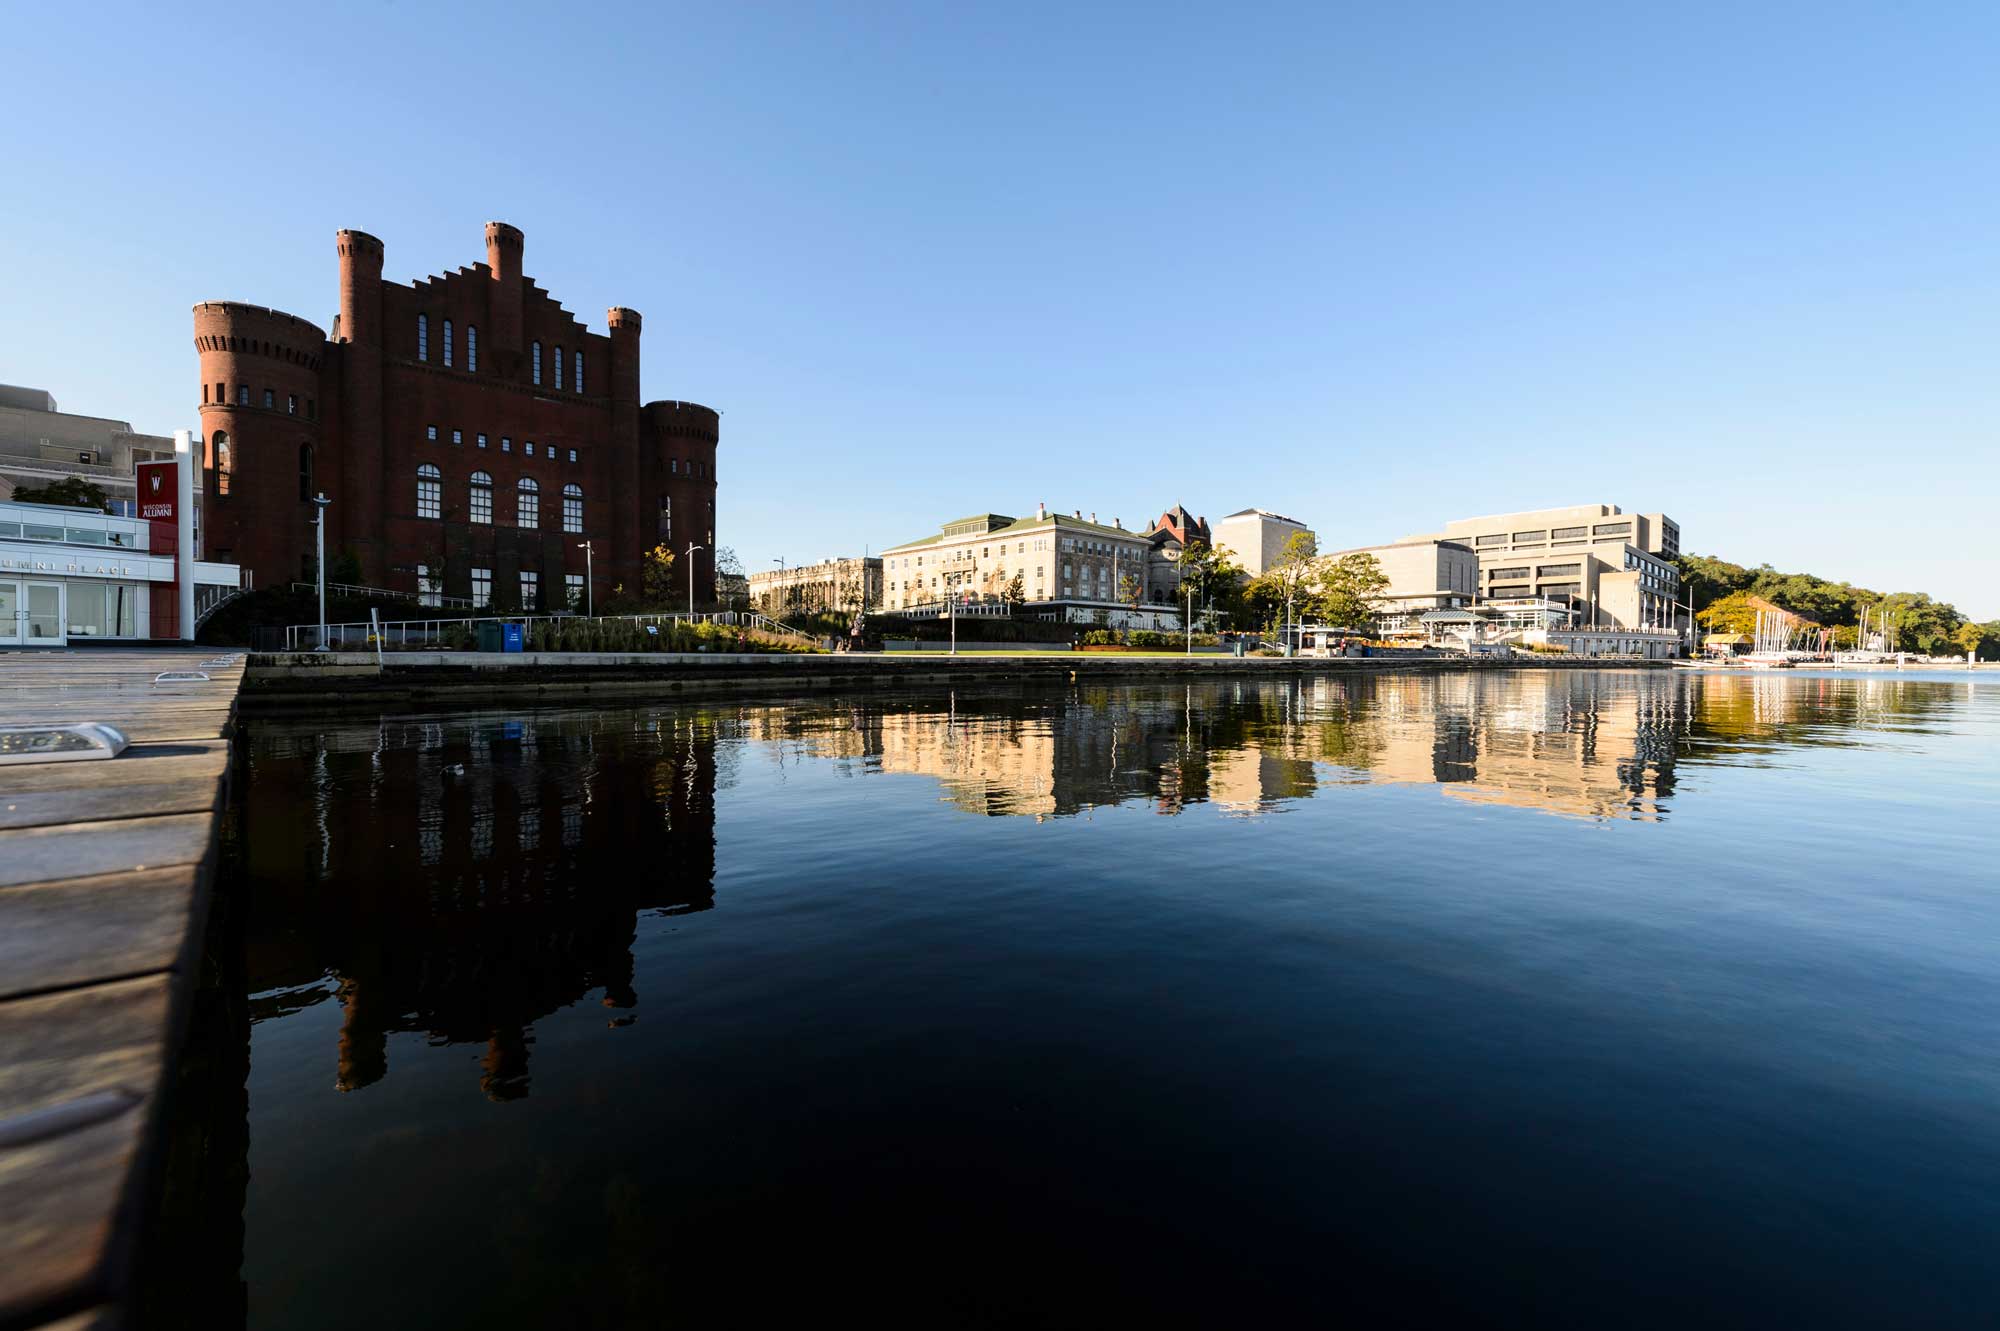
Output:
x,y
402,635
385,594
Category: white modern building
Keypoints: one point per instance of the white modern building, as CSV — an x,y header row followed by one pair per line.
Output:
x,y
76,575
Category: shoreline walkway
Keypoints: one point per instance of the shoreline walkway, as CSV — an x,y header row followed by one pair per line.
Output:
x,y
105,873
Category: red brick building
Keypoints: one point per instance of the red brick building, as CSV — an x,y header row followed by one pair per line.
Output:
x,y
470,432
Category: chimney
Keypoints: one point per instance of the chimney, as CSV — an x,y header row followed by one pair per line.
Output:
x,y
1119,523
1041,509
1079,514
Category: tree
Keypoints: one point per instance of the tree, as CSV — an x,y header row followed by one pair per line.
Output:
x,y
1729,614
1290,580
657,579
1016,593
1350,589
1214,576
69,492
1970,637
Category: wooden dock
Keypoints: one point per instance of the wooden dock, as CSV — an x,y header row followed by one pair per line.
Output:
x,y
105,870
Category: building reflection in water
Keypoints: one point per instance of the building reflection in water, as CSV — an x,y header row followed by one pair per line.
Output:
x,y
461,878
1598,744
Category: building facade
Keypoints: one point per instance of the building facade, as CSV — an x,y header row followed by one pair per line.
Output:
x,y
70,576
470,433
1613,568
1423,575
1257,537
1071,569
41,444
831,584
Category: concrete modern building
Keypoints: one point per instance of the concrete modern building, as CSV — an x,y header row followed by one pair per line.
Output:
x,y
40,444
1613,567
1423,575
1072,569
1256,537
830,584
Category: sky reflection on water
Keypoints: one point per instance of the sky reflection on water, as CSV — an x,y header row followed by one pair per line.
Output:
x,y
733,1011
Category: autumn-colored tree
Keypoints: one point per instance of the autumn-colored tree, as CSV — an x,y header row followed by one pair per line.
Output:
x,y
658,575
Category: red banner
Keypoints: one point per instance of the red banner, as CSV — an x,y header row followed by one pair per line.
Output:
x,y
159,491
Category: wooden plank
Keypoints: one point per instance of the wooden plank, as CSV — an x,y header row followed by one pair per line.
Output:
x,y
85,929
81,850
55,807
81,1072
189,763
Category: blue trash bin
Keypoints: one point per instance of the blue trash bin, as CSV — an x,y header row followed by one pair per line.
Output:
x,y
512,642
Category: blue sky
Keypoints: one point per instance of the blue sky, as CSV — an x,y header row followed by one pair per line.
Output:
x,y
1374,266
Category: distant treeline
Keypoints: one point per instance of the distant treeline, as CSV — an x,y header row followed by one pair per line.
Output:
x,y
1723,591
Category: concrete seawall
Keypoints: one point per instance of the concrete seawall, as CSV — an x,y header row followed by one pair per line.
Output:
x,y
281,683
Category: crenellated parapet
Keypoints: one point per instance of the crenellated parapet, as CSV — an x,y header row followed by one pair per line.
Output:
x,y
684,420
253,330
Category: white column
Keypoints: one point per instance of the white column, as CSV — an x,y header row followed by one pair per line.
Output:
x,y
185,462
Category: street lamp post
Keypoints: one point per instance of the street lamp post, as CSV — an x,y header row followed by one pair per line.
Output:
x,y
1190,619
320,501
589,583
692,547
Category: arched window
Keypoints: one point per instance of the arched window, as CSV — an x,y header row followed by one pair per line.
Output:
x,y
538,363
472,348
527,503
423,337
482,497
558,367
576,380
447,344
573,507
430,492
221,442
305,471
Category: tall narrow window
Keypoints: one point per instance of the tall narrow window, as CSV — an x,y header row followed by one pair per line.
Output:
x,y
538,364
429,586
531,590
268,402
423,337
447,344
221,395
559,359
666,517
291,404
472,348
573,507
576,380
430,491
482,587
481,510
305,471
527,503
242,395
221,462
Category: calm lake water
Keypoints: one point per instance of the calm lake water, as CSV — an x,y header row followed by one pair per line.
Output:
x,y
1537,999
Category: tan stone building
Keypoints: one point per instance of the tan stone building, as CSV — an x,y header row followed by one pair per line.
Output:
x,y
831,584
1071,569
1256,537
